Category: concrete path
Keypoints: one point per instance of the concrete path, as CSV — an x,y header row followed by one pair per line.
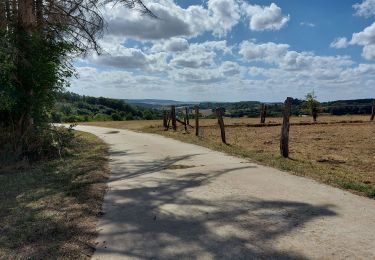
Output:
x,y
171,200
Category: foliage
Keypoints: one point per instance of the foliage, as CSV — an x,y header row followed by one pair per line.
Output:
x,y
71,107
38,39
311,105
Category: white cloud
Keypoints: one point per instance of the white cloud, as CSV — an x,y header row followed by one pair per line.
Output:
x,y
340,43
173,21
225,15
365,9
269,52
265,17
366,38
171,45
122,57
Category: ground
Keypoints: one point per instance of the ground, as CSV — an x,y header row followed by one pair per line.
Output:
x,y
339,153
50,210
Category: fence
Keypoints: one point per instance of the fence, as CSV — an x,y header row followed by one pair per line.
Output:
x,y
170,116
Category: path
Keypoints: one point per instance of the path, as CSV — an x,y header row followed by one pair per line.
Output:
x,y
221,207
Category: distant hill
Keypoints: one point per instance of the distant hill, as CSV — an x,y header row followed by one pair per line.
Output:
x,y
156,103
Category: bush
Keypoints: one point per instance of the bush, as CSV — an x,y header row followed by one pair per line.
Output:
x,y
102,117
39,143
116,117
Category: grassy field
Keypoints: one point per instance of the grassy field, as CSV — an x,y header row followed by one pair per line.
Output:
x,y
340,154
50,210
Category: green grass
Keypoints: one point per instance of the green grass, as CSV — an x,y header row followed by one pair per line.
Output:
x,y
49,210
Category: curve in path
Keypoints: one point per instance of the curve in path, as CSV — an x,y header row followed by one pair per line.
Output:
x,y
172,200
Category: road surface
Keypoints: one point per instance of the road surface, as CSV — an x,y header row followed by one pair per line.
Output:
x,y
172,200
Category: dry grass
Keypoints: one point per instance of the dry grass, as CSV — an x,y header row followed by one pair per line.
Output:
x,y
340,154
50,210
140,124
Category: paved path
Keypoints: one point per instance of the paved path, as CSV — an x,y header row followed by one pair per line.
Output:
x,y
221,207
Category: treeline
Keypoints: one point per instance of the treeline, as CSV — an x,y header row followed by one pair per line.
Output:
x,y
71,107
252,108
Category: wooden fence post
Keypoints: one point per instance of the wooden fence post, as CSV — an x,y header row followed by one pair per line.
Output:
x,y
173,116
263,114
220,113
196,120
187,115
185,123
165,119
284,138
373,111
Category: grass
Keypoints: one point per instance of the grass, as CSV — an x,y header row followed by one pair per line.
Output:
x,y
339,154
50,210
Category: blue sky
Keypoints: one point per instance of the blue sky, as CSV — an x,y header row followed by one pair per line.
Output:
x,y
235,50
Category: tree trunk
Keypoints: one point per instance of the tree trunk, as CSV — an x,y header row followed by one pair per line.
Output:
x,y
26,14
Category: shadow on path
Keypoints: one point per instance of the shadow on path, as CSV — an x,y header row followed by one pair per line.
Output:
x,y
170,216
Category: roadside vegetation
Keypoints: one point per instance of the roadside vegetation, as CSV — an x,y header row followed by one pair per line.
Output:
x,y
338,154
49,209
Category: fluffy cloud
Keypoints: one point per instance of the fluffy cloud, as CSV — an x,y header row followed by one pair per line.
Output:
x,y
366,38
171,45
366,8
224,14
269,52
265,17
173,21
219,17
340,43
127,58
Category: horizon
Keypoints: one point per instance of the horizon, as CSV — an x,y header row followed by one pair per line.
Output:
x,y
232,50
214,101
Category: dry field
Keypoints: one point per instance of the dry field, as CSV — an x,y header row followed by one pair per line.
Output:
x,y
340,154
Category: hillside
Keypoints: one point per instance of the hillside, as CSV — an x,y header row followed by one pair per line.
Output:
x,y
71,107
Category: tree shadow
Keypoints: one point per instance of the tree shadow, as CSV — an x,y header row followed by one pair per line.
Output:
x,y
172,216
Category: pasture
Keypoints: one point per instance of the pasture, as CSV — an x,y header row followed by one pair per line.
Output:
x,y
339,150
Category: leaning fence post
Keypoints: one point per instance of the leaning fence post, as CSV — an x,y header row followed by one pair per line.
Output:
x,y
173,116
373,111
220,113
284,138
196,120
263,114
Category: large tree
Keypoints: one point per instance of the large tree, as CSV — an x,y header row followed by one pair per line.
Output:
x,y
38,38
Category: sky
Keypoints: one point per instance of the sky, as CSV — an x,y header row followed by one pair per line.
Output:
x,y
234,50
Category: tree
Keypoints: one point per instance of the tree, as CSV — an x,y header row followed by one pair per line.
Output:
x,y
37,40
311,104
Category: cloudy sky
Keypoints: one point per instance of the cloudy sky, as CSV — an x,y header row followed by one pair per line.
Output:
x,y
234,50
